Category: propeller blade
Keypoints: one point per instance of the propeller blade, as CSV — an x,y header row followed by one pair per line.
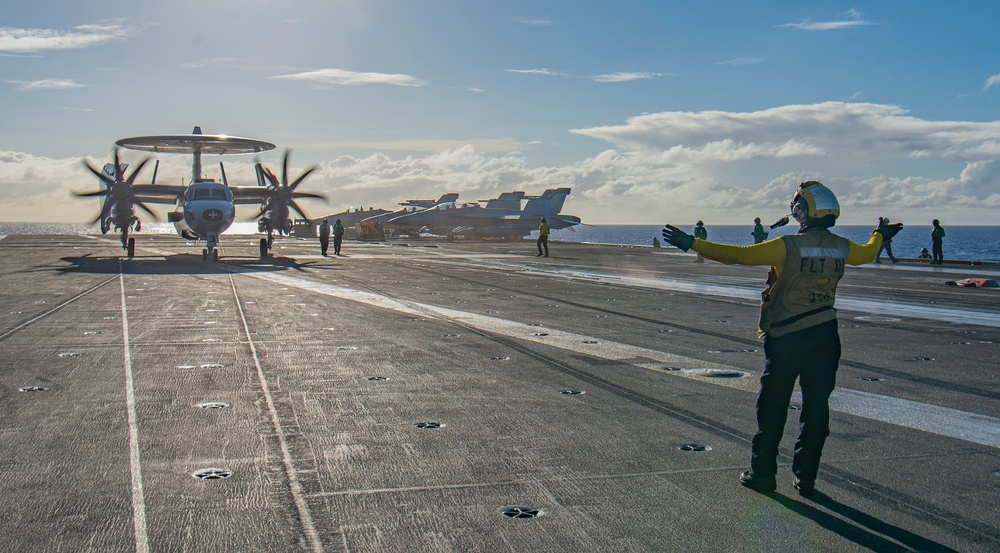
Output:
x,y
297,209
104,178
259,213
105,211
302,177
312,195
142,206
270,176
135,172
96,219
91,194
284,167
118,168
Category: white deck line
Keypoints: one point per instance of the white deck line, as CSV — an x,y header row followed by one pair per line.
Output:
x,y
138,496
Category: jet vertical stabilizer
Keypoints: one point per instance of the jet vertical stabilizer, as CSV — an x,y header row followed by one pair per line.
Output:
x,y
549,203
508,201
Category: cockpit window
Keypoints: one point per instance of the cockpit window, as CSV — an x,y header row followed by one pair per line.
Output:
x,y
209,192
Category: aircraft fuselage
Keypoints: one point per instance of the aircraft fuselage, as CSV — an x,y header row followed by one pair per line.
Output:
x,y
204,212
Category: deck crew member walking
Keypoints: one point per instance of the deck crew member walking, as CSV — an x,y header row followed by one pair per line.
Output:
x,y
543,238
883,225
338,237
324,236
798,324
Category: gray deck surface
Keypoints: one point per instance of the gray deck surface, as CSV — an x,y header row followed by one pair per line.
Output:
x,y
328,366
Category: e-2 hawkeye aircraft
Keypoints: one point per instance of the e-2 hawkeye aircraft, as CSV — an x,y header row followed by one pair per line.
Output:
x,y
205,208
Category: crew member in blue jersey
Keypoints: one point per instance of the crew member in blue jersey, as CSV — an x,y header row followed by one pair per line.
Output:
x,y
798,324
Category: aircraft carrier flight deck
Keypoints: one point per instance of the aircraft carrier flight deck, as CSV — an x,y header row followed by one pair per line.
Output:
x,y
470,396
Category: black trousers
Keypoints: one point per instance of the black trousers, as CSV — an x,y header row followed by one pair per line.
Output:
x,y
337,241
324,244
543,241
811,355
938,251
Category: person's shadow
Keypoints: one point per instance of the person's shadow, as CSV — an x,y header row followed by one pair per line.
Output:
x,y
858,527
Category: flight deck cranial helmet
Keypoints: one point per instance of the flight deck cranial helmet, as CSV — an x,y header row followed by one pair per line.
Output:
x,y
814,204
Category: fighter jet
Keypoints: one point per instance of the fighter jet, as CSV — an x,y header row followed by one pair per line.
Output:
x,y
501,217
409,206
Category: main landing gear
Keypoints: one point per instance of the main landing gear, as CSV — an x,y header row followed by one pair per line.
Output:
x,y
264,225
128,243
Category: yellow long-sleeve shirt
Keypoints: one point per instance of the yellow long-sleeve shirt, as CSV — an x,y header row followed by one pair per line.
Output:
x,y
772,252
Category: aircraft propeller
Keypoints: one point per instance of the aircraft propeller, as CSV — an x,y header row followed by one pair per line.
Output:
x,y
283,193
118,191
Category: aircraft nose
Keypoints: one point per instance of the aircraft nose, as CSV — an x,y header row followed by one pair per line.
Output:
x,y
212,215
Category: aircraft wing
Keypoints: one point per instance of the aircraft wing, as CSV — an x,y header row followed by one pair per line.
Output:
x,y
249,194
158,193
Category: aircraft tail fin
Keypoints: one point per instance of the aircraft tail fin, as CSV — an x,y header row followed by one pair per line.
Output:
x,y
549,203
447,198
109,170
508,201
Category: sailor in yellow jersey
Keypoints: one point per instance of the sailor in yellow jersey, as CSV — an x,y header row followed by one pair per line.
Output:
x,y
543,238
798,324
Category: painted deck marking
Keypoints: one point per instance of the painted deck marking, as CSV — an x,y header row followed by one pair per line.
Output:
x,y
138,497
293,480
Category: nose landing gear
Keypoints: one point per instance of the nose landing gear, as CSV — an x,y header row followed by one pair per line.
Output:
x,y
212,241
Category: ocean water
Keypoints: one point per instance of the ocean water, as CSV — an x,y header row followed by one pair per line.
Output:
x,y
970,243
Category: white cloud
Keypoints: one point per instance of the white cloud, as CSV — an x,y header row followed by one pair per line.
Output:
x,y
993,80
628,76
546,72
342,77
24,41
487,145
851,18
828,128
671,166
47,84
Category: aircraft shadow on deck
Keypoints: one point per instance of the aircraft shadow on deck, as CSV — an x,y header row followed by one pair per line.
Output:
x,y
182,264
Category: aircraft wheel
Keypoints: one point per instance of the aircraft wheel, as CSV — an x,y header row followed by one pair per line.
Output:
x,y
131,247
263,247
204,254
215,255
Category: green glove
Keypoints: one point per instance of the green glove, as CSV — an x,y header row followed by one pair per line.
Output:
x,y
889,231
678,237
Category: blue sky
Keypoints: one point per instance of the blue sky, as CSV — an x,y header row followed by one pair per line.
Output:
x,y
651,111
